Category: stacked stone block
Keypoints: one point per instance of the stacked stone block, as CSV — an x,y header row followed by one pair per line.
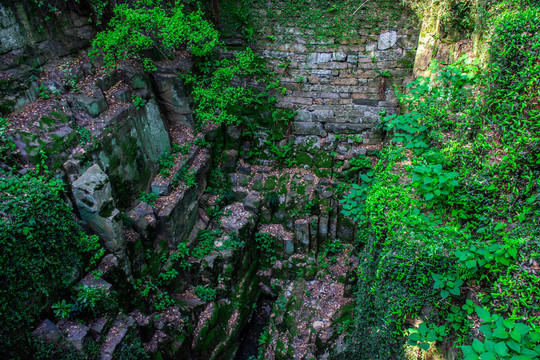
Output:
x,y
341,87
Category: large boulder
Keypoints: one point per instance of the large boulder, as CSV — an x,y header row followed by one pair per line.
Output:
x,y
92,192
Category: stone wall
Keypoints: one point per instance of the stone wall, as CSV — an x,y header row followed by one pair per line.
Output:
x,y
341,87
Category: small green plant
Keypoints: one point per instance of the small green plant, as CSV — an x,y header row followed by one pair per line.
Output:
x,y
408,130
281,303
149,198
88,300
85,136
180,257
424,335
205,242
62,309
448,284
204,293
201,142
138,102
45,93
385,73
188,176
283,153
6,142
334,246
181,149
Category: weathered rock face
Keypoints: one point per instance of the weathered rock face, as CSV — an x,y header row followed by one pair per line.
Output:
x,y
152,131
63,35
92,192
26,43
173,97
176,212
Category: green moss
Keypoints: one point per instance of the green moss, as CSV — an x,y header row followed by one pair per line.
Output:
x,y
270,183
290,323
310,273
26,136
227,272
6,85
408,59
323,172
322,160
61,143
303,158
345,313
45,120
60,116
107,210
258,185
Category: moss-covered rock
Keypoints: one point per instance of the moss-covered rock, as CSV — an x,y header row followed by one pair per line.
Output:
x,y
303,158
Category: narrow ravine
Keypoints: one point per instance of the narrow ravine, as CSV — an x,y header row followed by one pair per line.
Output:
x,y
249,340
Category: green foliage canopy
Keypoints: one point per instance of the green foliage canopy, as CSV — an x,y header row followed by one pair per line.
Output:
x,y
148,25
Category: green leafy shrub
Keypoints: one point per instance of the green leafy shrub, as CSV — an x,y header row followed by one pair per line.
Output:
x,y
205,242
474,259
131,349
219,93
361,163
188,176
88,301
42,247
138,102
147,25
407,130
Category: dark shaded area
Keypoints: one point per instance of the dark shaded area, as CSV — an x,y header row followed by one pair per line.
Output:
x,y
249,340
